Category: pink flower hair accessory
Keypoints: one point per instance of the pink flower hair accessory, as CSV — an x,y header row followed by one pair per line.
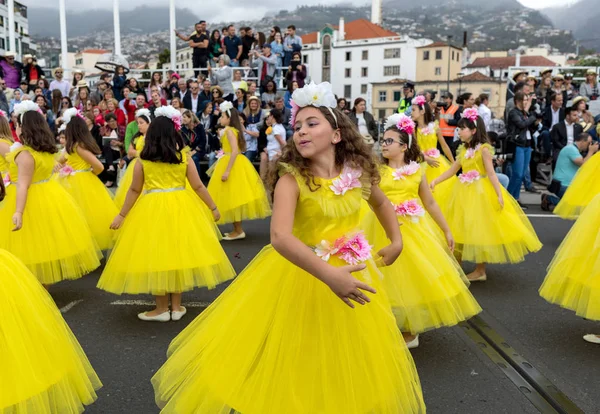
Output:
x,y
410,208
403,172
2,113
471,114
352,249
469,177
348,180
419,100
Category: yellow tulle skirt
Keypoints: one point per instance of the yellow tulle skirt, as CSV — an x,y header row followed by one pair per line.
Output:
x,y
426,286
484,232
573,279
96,203
166,245
443,191
55,242
242,196
280,341
43,368
584,187
205,211
124,184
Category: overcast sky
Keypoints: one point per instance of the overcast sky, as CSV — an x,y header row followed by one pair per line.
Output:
x,y
230,10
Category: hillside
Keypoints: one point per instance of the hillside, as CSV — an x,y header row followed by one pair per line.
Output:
x,y
582,18
44,22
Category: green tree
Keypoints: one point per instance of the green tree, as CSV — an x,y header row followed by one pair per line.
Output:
x,y
163,57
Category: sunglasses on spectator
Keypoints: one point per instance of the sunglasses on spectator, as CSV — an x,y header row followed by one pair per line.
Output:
x,y
215,92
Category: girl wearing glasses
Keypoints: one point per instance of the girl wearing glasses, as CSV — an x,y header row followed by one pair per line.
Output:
x,y
426,286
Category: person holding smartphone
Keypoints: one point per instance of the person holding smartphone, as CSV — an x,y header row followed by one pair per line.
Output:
x,y
296,71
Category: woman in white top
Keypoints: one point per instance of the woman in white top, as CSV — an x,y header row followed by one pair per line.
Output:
x,y
275,135
364,121
483,102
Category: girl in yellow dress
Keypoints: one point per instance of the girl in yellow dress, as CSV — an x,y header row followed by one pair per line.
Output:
x,y
425,285
487,223
285,336
142,117
573,278
40,222
234,184
166,246
79,177
428,137
43,369
584,187
6,141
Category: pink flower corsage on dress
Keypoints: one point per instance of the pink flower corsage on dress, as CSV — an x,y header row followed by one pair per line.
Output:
x,y
469,177
349,179
403,172
410,208
353,249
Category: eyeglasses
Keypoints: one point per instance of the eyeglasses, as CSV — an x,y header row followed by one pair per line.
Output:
x,y
215,92
194,89
58,73
387,141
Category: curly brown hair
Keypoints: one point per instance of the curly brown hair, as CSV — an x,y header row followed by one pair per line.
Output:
x,y
35,132
351,150
413,153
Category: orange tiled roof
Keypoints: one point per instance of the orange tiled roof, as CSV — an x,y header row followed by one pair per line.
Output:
x,y
95,51
355,30
506,62
475,77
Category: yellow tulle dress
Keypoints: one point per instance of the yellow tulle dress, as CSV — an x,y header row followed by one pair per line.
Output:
x,y
43,368
426,285
92,196
484,232
584,187
427,139
55,242
125,183
278,340
166,244
243,195
573,278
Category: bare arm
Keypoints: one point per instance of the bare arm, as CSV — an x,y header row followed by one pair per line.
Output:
x,y
91,159
182,37
131,152
593,150
137,185
198,187
239,53
447,174
280,140
339,279
444,145
432,206
26,165
234,153
4,149
491,173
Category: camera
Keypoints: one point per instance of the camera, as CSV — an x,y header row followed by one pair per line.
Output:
x,y
442,105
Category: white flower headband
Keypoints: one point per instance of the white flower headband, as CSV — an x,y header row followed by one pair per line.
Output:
x,y
226,107
403,123
25,106
320,95
62,128
69,114
143,112
171,113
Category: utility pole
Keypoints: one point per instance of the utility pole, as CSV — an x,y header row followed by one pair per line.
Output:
x,y
449,52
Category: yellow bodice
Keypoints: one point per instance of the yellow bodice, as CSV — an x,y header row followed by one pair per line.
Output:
x,y
225,142
401,184
163,176
472,159
3,161
427,137
324,215
76,162
44,164
139,144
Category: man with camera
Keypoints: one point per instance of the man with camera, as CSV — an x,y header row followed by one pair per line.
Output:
x,y
568,163
405,103
266,64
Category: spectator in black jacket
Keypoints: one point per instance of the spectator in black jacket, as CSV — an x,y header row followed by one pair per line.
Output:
x,y
519,127
552,115
3,100
565,132
33,72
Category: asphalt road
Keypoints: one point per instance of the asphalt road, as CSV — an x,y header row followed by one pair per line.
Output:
x,y
457,377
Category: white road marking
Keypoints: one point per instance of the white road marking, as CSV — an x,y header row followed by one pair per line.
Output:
x,y
70,306
151,303
543,215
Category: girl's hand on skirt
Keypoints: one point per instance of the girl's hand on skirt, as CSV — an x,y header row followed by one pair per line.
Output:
x,y
216,214
501,202
347,287
450,241
17,220
390,253
432,162
432,185
117,222
225,176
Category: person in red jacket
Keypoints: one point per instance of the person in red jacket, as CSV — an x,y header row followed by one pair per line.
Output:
x,y
112,106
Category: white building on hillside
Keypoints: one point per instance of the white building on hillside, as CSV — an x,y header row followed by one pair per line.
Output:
x,y
353,55
84,60
23,42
